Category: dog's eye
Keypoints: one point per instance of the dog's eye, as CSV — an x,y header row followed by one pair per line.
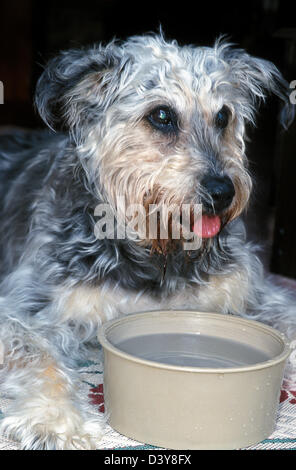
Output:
x,y
162,118
222,118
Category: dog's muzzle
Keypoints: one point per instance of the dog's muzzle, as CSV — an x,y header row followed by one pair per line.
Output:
x,y
221,192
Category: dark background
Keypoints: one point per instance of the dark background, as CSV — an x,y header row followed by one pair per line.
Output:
x,y
33,31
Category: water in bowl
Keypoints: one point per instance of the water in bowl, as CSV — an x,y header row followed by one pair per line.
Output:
x,y
192,350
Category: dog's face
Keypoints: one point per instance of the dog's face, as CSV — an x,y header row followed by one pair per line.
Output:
x,y
156,123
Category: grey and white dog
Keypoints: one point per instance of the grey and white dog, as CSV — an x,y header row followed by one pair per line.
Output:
x,y
151,122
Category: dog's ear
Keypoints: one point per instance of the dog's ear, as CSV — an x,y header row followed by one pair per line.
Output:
x,y
78,85
257,77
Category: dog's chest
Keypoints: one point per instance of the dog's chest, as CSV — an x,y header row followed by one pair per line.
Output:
x,y
224,293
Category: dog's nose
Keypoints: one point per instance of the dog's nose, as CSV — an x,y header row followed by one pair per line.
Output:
x,y
221,192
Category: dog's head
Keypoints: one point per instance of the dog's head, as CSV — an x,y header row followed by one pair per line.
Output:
x,y
156,123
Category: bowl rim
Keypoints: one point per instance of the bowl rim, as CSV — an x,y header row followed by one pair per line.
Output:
x,y
106,344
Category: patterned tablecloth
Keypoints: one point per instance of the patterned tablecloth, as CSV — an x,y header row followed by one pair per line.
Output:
x,y
284,436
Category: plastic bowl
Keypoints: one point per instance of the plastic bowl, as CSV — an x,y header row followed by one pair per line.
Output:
x,y
192,380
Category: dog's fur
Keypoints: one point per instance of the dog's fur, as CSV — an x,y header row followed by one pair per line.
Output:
x,y
59,282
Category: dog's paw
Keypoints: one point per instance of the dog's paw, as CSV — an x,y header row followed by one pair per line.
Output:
x,y
40,428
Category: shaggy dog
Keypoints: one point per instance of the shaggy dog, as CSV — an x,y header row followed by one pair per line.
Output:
x,y
142,122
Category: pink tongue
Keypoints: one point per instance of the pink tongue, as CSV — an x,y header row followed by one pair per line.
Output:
x,y
209,227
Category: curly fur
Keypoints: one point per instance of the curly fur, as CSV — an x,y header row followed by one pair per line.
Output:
x,y
59,282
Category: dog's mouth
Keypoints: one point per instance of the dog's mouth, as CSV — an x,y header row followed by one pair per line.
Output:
x,y
205,227
192,223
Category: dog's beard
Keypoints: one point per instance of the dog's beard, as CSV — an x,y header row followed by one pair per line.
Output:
x,y
167,223
207,227
198,227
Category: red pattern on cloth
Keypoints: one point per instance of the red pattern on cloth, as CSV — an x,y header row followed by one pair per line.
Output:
x,y
97,397
288,395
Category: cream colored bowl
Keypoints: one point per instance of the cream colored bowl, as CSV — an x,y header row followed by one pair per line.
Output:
x,y
192,380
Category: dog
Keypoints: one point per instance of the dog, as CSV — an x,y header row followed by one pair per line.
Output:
x,y
148,122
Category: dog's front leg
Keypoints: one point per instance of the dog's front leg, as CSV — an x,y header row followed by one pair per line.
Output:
x,y
39,352
47,412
